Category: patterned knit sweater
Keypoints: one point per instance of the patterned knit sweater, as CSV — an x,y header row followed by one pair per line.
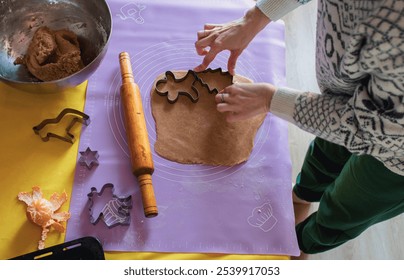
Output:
x,y
360,72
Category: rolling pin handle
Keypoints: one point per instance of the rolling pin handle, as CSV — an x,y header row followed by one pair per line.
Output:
x,y
149,201
126,68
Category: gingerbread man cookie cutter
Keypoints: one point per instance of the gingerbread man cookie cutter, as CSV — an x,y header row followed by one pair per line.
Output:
x,y
170,78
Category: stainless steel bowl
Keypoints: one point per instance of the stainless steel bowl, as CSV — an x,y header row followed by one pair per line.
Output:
x,y
19,19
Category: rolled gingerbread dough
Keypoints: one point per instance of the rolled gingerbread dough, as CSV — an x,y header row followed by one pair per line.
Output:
x,y
196,133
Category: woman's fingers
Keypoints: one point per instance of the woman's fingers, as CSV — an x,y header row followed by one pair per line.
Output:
x,y
210,26
231,64
222,97
225,107
225,102
204,39
213,39
231,112
244,100
206,30
209,57
202,43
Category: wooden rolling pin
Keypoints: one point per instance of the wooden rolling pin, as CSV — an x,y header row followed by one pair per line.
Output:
x,y
138,140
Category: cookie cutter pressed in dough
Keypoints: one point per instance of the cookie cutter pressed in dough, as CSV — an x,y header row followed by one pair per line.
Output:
x,y
114,212
170,77
69,137
219,70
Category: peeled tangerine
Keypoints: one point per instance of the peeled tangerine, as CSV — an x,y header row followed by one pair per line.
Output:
x,y
42,211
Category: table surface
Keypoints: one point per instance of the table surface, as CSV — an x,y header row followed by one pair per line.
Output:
x,y
28,161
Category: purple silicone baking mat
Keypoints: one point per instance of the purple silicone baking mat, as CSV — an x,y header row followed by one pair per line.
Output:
x,y
244,209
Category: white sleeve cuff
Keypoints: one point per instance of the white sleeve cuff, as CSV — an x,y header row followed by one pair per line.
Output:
x,y
283,103
276,9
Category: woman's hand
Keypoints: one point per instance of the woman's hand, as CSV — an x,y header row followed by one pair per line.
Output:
x,y
233,36
245,100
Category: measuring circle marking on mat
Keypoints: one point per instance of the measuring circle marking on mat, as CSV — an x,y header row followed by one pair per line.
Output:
x,y
147,65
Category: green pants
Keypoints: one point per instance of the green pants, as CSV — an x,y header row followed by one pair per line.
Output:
x,y
354,192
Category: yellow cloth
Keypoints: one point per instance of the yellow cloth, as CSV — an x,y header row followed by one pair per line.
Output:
x,y
190,256
27,161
